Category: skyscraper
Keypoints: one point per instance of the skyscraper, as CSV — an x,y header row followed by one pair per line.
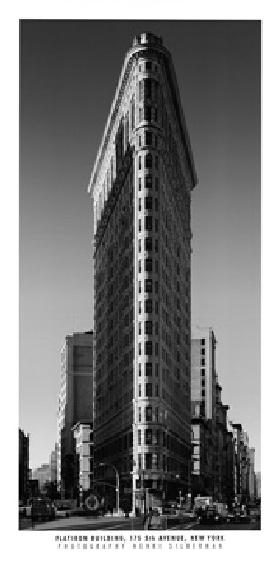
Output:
x,y
141,193
75,405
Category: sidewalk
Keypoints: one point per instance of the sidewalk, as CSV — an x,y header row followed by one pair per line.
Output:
x,y
71,521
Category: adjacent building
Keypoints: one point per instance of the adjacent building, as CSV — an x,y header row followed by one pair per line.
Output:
x,y
141,198
53,464
212,441
23,470
83,435
203,410
42,475
75,405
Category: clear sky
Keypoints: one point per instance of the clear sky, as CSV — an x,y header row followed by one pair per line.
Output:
x,y
69,72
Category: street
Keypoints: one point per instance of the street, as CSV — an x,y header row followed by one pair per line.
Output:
x,y
79,523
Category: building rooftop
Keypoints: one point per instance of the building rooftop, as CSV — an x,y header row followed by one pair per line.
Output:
x,y
147,38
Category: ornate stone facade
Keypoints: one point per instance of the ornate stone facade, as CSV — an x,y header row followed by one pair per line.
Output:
x,y
141,189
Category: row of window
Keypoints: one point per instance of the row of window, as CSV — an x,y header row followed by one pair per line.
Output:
x,y
148,224
148,113
151,436
147,161
148,203
147,306
148,182
151,390
147,244
147,328
148,268
148,65
148,139
148,369
148,348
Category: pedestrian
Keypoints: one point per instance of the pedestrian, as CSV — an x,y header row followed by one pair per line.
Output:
x,y
145,520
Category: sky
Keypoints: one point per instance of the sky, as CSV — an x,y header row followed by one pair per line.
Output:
x,y
68,76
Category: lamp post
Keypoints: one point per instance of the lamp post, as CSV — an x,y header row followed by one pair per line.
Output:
x,y
117,483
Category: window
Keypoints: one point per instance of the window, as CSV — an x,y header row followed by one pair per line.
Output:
x,y
156,390
148,328
139,467
139,287
148,244
148,347
139,364
139,224
148,265
148,461
149,66
148,137
203,351
156,204
139,245
139,390
156,162
148,369
148,389
139,414
148,306
139,307
148,414
147,113
139,184
139,348
148,182
148,222
140,116
139,331
156,369
148,203
148,161
139,437
140,140
148,285
157,419
156,245
148,436
156,183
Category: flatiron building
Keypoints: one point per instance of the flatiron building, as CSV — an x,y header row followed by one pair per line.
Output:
x,y
141,187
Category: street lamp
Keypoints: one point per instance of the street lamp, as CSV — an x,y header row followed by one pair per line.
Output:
x,y
117,483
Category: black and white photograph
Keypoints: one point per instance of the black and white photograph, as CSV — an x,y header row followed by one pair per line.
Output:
x,y
139,276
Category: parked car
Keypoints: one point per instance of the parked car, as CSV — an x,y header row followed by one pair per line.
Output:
x,y
42,509
62,511
209,516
